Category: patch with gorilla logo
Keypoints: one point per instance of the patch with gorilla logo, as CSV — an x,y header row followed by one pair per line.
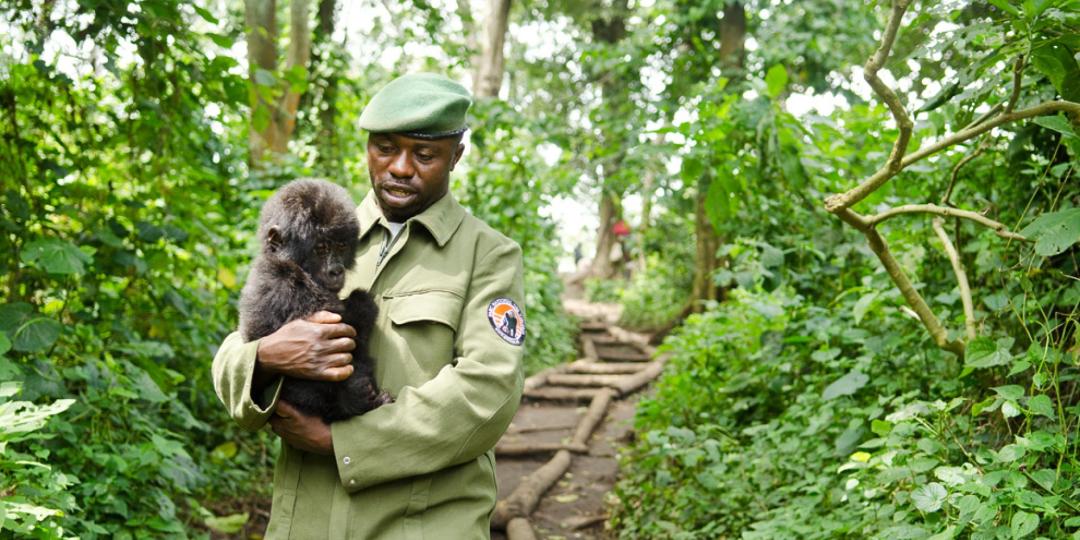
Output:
x,y
506,318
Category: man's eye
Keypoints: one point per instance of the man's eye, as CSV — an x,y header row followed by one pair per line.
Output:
x,y
386,149
425,157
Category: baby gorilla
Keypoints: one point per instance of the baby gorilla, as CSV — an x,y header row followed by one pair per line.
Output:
x,y
309,232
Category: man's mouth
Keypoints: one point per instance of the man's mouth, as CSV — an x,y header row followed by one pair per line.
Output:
x,y
397,192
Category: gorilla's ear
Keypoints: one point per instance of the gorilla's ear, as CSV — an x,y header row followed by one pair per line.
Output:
x,y
273,239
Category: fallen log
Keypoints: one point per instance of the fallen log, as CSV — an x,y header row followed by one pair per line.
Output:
x,y
519,529
639,340
561,394
602,368
524,499
539,379
527,449
534,429
593,326
592,418
585,379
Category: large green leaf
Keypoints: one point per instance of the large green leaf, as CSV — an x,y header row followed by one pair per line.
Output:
x,y
36,334
983,352
929,498
1023,524
846,385
55,256
776,79
1056,61
1054,232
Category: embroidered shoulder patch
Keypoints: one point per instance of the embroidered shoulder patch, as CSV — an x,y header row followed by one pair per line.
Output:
x,y
506,318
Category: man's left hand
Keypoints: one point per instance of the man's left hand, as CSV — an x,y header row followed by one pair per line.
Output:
x,y
308,433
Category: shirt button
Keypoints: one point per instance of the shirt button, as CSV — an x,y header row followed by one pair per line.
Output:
x,y
346,460
352,482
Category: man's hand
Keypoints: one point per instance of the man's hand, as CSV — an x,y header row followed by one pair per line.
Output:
x,y
308,433
317,348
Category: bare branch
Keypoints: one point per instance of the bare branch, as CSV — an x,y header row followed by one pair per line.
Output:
x,y
870,73
956,170
997,227
961,277
1018,79
847,199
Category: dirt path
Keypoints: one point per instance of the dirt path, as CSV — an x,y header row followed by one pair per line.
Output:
x,y
557,462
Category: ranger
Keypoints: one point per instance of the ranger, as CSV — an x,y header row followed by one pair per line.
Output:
x,y
447,344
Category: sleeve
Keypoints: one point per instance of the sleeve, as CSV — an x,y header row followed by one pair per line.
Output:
x,y
460,413
233,371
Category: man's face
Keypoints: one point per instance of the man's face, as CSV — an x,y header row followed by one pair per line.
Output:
x,y
409,174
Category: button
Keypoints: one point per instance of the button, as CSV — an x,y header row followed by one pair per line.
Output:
x,y
352,482
346,460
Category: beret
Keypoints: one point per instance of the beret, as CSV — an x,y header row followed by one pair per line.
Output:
x,y
423,105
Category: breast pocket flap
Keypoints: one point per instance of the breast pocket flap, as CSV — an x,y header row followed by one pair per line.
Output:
x,y
428,306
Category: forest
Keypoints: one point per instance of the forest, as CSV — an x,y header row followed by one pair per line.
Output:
x,y
850,225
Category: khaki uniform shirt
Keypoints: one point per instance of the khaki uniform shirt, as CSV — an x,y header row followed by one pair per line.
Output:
x,y
422,466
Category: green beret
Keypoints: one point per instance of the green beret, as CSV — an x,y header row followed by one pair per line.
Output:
x,y
422,105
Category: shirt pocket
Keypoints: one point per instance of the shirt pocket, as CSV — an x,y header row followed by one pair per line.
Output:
x,y
424,325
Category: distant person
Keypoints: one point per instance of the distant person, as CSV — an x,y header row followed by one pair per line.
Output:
x,y
447,343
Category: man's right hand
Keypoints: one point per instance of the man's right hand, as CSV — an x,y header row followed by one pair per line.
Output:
x,y
318,348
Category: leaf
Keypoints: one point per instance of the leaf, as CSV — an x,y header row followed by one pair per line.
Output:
x,y
1010,453
863,305
1057,123
929,498
36,334
223,452
1056,61
1010,391
566,498
1009,409
982,352
5,343
55,256
1041,405
265,77
776,79
1023,523
9,388
846,385
1054,232
1004,5
231,524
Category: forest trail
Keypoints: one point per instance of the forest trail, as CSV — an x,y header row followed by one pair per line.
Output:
x,y
557,462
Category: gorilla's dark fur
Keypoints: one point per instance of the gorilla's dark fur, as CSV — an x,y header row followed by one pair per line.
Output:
x,y
309,232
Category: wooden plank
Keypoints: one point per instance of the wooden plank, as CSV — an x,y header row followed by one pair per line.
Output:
x,y
633,382
620,354
589,348
519,529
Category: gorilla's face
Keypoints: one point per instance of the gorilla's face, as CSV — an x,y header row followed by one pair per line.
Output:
x,y
408,174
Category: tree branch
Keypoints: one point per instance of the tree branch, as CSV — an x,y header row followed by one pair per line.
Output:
x,y
997,227
870,73
961,277
956,170
1018,79
844,200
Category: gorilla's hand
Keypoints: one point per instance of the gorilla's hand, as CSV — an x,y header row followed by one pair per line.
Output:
x,y
317,348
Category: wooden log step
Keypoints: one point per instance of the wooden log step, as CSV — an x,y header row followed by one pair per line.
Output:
x,y
602,368
597,409
593,326
524,499
589,348
555,393
631,383
525,449
579,379
519,529
626,336
540,379
620,354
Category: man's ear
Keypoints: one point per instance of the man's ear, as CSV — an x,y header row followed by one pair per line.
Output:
x,y
458,152
273,239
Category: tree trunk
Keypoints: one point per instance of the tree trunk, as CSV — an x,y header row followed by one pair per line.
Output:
x,y
605,240
330,162
487,79
732,41
273,108
261,20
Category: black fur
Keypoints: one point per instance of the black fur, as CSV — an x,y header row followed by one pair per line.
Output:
x,y
309,232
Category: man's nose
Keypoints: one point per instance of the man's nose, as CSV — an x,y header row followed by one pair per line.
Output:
x,y
401,166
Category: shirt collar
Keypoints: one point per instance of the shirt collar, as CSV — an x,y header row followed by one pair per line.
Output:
x,y
440,219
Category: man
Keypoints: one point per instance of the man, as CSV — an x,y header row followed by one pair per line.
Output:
x,y
446,285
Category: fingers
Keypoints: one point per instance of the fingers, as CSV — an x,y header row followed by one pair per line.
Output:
x,y
324,317
337,330
337,373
